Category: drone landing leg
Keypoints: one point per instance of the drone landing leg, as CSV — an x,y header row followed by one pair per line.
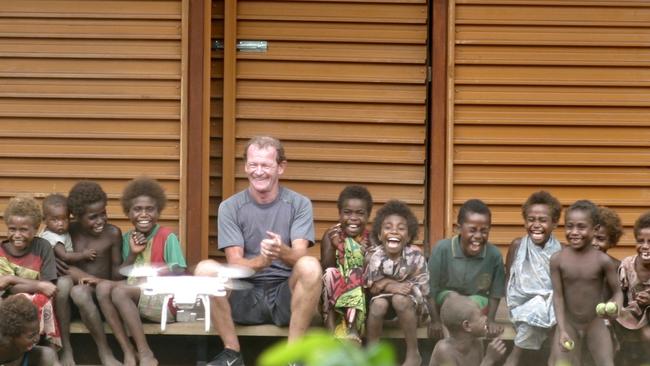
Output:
x,y
206,305
163,315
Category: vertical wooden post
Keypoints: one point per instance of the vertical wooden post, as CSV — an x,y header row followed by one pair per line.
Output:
x,y
229,96
198,131
437,131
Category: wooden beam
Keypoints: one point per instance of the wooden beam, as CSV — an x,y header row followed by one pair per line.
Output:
x,y
198,132
438,124
229,97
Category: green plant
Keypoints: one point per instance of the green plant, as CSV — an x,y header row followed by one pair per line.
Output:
x,y
321,349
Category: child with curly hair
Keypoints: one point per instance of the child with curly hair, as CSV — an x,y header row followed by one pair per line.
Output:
x,y
19,334
397,277
90,231
634,277
343,249
25,255
148,243
529,293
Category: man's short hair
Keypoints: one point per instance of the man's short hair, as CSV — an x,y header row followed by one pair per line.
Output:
x,y
262,142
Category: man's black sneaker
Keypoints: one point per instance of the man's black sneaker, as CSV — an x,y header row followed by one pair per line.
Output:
x,y
227,357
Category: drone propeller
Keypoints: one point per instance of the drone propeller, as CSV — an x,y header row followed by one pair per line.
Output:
x,y
141,270
216,269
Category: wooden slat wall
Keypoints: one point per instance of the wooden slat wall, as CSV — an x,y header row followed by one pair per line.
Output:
x,y
550,95
343,85
91,90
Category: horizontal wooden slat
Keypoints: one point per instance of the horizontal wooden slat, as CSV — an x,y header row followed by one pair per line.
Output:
x,y
80,108
558,176
113,187
96,9
326,211
516,195
552,36
90,49
319,228
331,112
553,135
551,115
552,55
340,52
332,32
549,75
603,3
331,92
100,69
340,172
561,15
347,152
89,88
349,72
552,155
346,132
553,95
89,128
87,168
328,12
324,191
96,148
90,29
510,215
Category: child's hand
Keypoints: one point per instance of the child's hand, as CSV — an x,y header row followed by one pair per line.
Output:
x,y
642,298
90,281
90,254
495,350
5,281
61,267
565,342
137,242
401,288
435,330
46,288
493,329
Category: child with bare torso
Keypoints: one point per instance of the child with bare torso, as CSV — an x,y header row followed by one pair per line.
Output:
x,y
89,232
578,273
465,322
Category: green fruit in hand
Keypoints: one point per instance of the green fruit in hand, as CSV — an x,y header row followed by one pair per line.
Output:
x,y
600,309
611,308
568,345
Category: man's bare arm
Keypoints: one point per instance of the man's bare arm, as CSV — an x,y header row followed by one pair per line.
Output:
x,y
235,255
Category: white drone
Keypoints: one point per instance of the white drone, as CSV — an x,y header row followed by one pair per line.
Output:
x,y
186,291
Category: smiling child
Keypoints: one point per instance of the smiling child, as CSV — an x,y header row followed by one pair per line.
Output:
x,y
397,277
578,274
529,290
468,265
343,249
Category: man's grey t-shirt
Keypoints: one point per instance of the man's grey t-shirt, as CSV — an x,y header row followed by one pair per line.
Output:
x,y
244,222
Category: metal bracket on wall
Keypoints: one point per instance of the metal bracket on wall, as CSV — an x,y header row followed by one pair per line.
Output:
x,y
249,46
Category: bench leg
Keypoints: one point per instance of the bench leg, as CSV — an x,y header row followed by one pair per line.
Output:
x,y
201,349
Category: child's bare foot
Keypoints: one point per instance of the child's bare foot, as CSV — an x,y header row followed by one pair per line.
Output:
x,y
107,359
413,359
129,359
66,357
147,359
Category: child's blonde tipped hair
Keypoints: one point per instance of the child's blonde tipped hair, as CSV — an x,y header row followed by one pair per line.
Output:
x,y
24,206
